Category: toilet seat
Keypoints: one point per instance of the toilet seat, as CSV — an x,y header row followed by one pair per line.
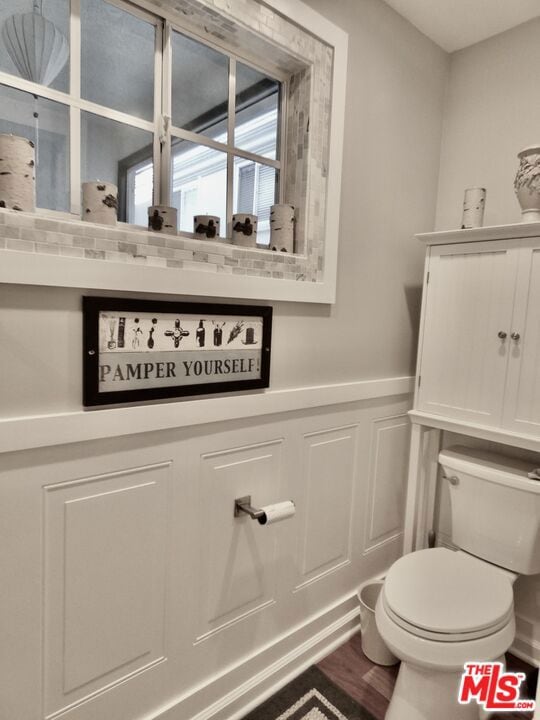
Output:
x,y
447,596
444,636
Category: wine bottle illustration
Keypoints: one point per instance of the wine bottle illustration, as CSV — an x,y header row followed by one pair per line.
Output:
x,y
218,336
200,334
121,332
150,341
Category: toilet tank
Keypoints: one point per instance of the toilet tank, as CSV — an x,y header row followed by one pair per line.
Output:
x,y
495,507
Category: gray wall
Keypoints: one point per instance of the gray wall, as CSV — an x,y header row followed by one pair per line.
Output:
x,y
492,111
396,81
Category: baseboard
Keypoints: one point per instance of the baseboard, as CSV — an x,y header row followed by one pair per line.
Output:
x,y
277,664
525,646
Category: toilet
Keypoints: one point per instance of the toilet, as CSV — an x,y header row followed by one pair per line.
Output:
x,y
441,608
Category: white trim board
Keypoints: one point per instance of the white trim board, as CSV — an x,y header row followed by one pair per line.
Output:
x,y
483,432
24,433
27,268
309,643
491,232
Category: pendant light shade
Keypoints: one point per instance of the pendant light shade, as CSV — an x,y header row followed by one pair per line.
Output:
x,y
37,47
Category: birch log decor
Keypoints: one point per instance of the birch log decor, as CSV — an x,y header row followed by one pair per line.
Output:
x,y
282,228
162,218
99,202
17,173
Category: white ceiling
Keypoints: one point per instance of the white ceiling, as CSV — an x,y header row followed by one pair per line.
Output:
x,y
455,24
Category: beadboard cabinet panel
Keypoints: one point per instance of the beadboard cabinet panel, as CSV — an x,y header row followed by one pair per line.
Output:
x,y
469,301
522,405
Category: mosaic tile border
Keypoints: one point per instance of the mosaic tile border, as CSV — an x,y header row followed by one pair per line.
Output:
x,y
33,233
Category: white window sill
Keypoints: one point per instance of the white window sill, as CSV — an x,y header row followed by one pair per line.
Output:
x,y
38,250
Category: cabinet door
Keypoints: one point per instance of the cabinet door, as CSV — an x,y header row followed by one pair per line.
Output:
x,y
469,302
522,399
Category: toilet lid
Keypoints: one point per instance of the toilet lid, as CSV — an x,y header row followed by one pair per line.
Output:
x,y
442,591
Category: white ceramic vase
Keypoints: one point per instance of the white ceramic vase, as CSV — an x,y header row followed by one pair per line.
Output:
x,y
527,183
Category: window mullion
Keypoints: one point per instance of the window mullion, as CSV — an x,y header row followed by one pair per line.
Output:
x,y
164,133
74,111
158,104
230,142
281,137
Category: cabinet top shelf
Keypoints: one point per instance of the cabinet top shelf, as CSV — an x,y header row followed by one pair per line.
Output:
x,y
492,232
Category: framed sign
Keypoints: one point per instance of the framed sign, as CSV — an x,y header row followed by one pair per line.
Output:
x,y
137,350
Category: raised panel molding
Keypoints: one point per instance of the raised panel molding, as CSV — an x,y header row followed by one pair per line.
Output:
x,y
329,459
237,556
387,479
105,549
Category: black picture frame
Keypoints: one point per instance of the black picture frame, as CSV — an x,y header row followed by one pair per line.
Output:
x,y
94,306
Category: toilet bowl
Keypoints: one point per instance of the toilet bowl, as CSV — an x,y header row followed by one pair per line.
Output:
x,y
438,610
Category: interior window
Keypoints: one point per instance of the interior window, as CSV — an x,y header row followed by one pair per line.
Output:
x,y
218,163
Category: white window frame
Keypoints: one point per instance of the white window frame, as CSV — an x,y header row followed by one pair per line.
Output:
x,y
329,80
161,127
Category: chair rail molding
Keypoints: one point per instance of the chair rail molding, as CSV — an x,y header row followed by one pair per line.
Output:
x,y
24,433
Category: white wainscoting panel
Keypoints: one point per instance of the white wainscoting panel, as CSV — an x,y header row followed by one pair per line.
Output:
x,y
104,581
134,592
387,480
326,512
237,577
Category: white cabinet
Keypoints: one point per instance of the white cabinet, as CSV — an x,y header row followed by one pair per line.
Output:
x,y
479,357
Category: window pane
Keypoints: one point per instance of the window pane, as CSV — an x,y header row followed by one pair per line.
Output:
x,y
200,88
21,53
120,154
255,191
117,63
46,123
257,112
198,183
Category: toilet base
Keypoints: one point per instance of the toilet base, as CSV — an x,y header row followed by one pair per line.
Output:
x,y
422,694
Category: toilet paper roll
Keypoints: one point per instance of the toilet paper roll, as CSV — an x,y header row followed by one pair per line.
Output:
x,y
278,511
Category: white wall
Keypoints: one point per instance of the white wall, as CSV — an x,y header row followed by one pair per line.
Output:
x,y
491,112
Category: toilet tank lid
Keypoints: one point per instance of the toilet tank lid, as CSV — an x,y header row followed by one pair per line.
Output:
x,y
490,466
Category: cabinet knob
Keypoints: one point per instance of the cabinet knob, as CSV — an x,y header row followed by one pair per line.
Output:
x,y
515,336
502,334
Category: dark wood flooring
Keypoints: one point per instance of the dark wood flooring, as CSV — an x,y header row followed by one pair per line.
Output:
x,y
372,685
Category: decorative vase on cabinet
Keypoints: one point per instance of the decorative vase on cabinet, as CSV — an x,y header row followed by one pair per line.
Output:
x,y
527,183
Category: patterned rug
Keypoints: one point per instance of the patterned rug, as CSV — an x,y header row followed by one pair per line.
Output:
x,y
310,696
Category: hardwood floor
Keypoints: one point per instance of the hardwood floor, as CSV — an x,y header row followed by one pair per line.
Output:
x,y
372,685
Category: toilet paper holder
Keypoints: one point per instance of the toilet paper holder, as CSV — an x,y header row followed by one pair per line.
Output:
x,y
266,515
243,505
